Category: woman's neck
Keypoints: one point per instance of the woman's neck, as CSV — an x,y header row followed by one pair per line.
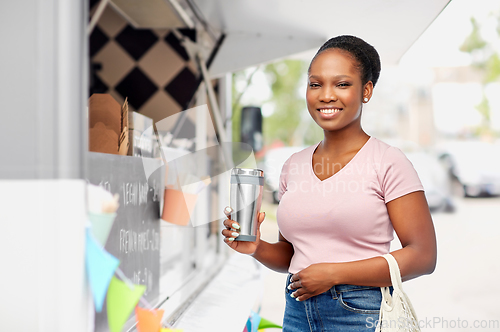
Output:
x,y
338,143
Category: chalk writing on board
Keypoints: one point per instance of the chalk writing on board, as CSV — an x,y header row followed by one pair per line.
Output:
x,y
143,277
132,241
136,193
135,235
157,186
105,185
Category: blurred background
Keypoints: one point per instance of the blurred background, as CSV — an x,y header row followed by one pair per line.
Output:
x,y
441,106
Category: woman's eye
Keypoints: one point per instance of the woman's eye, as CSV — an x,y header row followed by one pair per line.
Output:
x,y
313,85
343,85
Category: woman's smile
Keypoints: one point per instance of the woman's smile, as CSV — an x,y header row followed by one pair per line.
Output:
x,y
329,112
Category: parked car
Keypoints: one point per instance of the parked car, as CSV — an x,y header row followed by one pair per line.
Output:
x,y
432,172
435,179
476,165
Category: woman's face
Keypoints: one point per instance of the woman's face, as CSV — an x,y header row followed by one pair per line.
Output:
x,y
335,91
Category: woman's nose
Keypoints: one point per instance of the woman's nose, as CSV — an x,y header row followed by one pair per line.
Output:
x,y
327,95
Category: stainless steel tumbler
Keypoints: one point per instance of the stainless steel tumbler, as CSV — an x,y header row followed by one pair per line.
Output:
x,y
246,198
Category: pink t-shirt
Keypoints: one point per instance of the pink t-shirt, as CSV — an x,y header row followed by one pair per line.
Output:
x,y
344,217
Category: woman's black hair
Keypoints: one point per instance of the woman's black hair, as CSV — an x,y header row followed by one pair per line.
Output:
x,y
365,55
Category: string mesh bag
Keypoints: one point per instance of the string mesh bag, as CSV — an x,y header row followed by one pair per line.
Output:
x,y
396,311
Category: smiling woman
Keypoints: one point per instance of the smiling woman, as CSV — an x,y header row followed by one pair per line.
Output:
x,y
340,202
335,91
340,78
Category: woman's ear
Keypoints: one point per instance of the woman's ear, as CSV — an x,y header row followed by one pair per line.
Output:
x,y
367,91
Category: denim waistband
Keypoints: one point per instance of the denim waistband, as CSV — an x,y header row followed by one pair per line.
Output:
x,y
349,288
343,287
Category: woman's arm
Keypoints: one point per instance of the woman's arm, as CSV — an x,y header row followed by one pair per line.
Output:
x,y
411,219
275,256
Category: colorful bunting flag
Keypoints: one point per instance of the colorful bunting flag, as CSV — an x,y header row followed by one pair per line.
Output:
x,y
171,330
148,320
265,324
256,323
101,225
101,267
122,298
253,322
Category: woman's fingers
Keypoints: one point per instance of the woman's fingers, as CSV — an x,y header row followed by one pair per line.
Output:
x,y
228,223
230,234
227,211
295,282
298,295
295,285
262,216
302,297
301,294
229,241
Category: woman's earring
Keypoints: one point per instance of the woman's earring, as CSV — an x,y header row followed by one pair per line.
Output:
x,y
365,100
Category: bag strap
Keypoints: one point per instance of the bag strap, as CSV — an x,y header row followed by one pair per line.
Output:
x,y
395,273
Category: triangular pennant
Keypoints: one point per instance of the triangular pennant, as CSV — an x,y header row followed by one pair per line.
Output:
x,y
171,330
101,266
101,225
248,326
122,299
148,320
255,321
265,324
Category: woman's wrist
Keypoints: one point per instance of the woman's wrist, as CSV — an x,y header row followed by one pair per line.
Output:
x,y
256,253
335,273
272,255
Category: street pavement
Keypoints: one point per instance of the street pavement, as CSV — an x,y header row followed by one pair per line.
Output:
x,y
461,293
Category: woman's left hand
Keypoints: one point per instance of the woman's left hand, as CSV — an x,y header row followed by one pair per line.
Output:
x,y
311,281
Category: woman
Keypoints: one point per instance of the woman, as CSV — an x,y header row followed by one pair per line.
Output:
x,y
341,199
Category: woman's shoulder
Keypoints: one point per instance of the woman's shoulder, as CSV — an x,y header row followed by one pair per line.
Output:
x,y
383,152
378,148
388,149
379,144
387,156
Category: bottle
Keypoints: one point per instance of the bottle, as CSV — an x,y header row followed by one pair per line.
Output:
x,y
247,186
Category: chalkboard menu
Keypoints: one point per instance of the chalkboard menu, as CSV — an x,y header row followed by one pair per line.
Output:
x,y
135,236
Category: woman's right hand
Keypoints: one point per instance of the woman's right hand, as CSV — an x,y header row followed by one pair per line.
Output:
x,y
231,232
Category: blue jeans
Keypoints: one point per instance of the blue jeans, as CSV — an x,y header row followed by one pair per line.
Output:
x,y
341,308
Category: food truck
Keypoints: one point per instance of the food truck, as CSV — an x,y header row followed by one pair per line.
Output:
x,y
163,71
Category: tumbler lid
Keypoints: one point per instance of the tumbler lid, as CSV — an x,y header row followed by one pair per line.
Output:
x,y
247,171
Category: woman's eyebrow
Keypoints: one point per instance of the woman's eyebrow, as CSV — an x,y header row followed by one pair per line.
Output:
x,y
336,77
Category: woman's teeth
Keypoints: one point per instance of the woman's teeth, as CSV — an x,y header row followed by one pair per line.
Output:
x,y
329,111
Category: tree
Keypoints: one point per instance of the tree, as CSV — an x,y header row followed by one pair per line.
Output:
x,y
486,58
289,122
285,79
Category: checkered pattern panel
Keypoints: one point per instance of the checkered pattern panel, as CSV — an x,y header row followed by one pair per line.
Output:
x,y
150,67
